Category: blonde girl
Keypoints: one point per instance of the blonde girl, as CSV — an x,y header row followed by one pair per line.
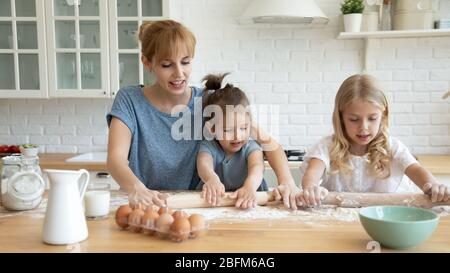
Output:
x,y
361,156
143,156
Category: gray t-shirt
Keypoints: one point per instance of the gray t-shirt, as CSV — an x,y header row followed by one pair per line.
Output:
x,y
233,171
155,157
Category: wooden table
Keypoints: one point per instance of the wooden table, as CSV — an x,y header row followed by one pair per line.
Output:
x,y
22,233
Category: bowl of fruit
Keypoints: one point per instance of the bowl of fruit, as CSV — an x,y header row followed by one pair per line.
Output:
x,y
6,150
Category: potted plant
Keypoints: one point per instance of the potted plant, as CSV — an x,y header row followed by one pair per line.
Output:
x,y
352,11
29,149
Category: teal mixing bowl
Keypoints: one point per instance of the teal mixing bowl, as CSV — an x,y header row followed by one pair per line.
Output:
x,y
397,226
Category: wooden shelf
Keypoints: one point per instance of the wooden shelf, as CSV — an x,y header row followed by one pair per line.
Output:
x,y
394,34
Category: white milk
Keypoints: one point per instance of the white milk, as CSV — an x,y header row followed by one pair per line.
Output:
x,y
96,203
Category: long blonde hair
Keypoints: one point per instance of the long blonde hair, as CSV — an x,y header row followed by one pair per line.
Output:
x,y
366,88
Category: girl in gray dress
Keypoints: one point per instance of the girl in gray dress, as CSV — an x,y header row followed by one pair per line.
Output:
x,y
230,160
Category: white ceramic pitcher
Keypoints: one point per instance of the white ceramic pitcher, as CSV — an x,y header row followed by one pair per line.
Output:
x,y
64,217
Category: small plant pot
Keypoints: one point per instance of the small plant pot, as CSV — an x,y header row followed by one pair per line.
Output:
x,y
352,22
29,151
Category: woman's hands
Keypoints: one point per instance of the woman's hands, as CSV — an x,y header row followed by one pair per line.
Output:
x,y
437,192
311,196
287,193
144,196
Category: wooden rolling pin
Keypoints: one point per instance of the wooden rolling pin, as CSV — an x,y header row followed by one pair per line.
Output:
x,y
342,199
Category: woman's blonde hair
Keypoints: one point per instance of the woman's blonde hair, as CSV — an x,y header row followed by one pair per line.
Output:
x,y
164,39
366,88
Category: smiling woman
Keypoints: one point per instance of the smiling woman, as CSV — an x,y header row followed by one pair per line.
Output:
x,y
142,153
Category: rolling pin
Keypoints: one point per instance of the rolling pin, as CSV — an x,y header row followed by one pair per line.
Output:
x,y
342,199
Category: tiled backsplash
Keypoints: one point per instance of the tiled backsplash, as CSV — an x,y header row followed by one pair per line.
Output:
x,y
297,67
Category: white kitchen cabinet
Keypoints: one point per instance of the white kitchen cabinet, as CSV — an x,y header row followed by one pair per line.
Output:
x,y
93,47
77,35
72,48
125,17
23,72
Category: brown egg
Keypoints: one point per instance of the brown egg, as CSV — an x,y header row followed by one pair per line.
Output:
x,y
180,214
134,219
180,229
122,215
165,210
198,225
148,220
153,207
162,224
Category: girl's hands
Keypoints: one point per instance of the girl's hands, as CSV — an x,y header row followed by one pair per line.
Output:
x,y
311,196
212,191
146,197
438,192
246,197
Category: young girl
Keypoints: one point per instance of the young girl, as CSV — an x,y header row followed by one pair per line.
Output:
x,y
143,157
361,156
229,162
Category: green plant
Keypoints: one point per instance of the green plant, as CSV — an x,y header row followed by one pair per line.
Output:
x,y
26,146
352,6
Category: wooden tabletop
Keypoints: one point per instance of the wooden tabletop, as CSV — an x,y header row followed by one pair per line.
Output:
x,y
58,161
22,233
437,164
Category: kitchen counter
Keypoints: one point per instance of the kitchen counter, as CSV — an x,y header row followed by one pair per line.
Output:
x,y
21,232
437,164
57,161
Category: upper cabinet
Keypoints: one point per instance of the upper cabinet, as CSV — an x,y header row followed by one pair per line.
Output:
x,y
77,48
125,18
89,48
23,72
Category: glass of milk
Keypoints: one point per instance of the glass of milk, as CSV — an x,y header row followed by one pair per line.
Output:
x,y
96,201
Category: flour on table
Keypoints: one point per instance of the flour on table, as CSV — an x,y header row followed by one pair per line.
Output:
x,y
273,211
442,211
312,216
277,211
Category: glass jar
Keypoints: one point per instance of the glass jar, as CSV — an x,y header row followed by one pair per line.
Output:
x,y
386,22
22,186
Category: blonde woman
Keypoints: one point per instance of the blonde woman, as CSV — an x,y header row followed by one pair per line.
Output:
x,y
361,156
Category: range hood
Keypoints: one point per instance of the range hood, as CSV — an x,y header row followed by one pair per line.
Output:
x,y
283,12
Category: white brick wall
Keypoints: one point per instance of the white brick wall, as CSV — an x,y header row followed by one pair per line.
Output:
x,y
297,67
